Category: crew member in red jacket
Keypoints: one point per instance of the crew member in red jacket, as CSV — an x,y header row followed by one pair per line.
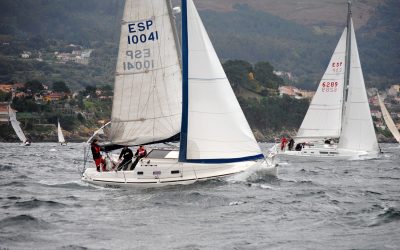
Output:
x,y
140,153
98,159
283,143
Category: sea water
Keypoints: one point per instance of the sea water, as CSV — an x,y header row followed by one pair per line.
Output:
x,y
310,205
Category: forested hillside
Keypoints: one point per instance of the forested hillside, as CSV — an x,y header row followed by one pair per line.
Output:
x,y
254,35
50,26
246,31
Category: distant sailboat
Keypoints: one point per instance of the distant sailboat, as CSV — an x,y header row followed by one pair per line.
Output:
x,y
60,135
339,110
154,101
388,120
17,128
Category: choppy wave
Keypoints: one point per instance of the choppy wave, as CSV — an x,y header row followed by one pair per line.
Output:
x,y
5,167
68,185
389,214
14,184
45,205
35,203
74,247
23,221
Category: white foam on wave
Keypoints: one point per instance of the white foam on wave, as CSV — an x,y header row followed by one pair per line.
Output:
x,y
244,176
58,183
262,186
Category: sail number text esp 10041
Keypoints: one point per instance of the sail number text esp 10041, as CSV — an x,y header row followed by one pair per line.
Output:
x,y
139,34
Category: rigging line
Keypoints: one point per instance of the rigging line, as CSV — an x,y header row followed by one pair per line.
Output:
x,y
166,25
134,78
167,21
155,83
116,86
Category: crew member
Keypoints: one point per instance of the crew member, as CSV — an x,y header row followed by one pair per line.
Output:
x,y
140,153
283,143
126,155
98,159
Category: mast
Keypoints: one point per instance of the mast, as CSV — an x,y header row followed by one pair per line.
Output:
x,y
347,60
174,30
185,85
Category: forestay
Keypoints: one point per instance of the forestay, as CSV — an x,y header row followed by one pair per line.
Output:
x,y
389,121
147,92
324,116
15,125
217,130
357,130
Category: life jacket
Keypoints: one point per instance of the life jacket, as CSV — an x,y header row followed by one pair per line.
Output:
x,y
141,152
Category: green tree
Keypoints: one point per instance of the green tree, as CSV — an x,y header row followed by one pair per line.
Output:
x,y
237,71
4,96
25,105
107,89
90,90
61,86
264,72
34,86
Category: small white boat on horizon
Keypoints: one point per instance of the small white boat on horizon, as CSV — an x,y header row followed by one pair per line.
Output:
x,y
388,120
60,135
17,128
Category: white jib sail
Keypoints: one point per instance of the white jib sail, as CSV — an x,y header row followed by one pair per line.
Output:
x,y
389,121
358,132
61,138
147,92
15,125
217,127
324,116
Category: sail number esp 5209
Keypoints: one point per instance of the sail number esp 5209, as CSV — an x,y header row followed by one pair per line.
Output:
x,y
140,33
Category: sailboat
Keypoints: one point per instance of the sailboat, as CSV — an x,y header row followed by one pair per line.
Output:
x,y
388,120
60,135
154,101
17,128
338,123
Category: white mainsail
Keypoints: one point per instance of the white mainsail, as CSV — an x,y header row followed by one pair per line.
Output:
x,y
358,132
324,116
15,125
216,126
61,138
147,92
388,120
